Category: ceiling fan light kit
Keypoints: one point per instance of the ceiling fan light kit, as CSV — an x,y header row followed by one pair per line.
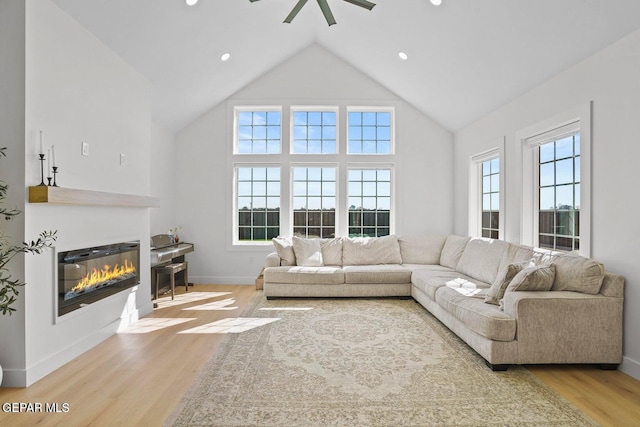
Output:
x,y
324,7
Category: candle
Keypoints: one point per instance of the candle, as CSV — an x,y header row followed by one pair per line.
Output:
x,y
49,162
53,155
41,150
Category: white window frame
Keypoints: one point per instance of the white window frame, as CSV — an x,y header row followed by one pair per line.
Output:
x,y
577,119
370,109
475,189
235,223
310,109
258,108
373,166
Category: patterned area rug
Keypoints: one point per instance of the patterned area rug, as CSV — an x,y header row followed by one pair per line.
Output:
x,y
360,362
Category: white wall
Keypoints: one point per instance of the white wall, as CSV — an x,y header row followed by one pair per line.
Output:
x,y
610,80
163,178
78,90
12,39
312,77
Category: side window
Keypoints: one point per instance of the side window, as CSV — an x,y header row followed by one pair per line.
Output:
x,y
369,202
257,203
258,132
559,193
490,222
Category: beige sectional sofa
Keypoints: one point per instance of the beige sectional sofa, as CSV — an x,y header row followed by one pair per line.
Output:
x,y
512,304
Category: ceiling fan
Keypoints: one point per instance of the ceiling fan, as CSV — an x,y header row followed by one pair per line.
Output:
x,y
326,10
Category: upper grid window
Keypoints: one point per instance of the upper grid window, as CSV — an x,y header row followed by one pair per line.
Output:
x,y
369,202
258,132
369,132
559,193
314,132
314,201
258,203
491,198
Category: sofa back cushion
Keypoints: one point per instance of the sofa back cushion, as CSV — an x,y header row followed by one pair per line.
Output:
x,y
332,251
481,259
421,249
308,252
452,251
284,248
573,272
371,250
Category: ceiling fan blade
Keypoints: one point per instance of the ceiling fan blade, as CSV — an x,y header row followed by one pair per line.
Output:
x,y
326,11
294,11
362,3
252,1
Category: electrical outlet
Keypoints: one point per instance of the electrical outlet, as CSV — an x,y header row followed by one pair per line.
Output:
x,y
122,159
85,149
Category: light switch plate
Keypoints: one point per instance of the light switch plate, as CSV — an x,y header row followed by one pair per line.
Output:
x,y
122,159
85,149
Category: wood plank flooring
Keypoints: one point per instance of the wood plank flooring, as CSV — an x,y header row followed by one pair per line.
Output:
x,y
137,378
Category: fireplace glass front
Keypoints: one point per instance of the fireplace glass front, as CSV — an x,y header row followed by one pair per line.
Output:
x,y
91,274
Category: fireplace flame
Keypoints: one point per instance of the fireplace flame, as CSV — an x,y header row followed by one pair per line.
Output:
x,y
97,277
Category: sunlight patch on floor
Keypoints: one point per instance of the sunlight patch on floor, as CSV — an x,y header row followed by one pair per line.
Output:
x,y
187,297
230,326
215,305
151,324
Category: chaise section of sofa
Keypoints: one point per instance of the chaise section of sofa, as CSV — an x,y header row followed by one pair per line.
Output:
x,y
512,304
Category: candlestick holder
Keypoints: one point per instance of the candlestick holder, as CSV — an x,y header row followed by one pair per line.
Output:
x,y
42,184
49,180
55,172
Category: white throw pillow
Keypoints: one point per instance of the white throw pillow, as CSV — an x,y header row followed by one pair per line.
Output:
x,y
308,252
284,248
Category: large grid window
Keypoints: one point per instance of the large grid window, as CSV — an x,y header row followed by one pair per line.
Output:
x,y
258,132
490,226
369,202
314,201
314,132
258,203
369,132
559,194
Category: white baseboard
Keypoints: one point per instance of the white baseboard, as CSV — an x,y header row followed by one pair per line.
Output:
x,y
222,280
630,367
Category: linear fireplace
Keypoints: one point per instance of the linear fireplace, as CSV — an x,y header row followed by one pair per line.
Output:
x,y
91,274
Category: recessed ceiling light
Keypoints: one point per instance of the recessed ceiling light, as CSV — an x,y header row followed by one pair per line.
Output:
x,y
403,56
436,2
191,2
225,56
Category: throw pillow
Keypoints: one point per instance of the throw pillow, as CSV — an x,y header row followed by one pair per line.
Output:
x,y
537,278
308,252
497,289
284,248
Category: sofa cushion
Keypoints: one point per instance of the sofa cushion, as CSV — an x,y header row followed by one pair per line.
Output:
x,y
421,249
514,254
284,248
304,275
499,286
308,252
573,272
332,251
536,278
371,250
429,281
484,319
452,250
481,258
375,274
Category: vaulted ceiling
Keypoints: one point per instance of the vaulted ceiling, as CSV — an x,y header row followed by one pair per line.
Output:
x,y
465,57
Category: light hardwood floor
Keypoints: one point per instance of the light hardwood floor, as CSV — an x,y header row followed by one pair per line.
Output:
x,y
137,378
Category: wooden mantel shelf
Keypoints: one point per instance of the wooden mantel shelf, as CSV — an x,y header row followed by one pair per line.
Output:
x,y
69,196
